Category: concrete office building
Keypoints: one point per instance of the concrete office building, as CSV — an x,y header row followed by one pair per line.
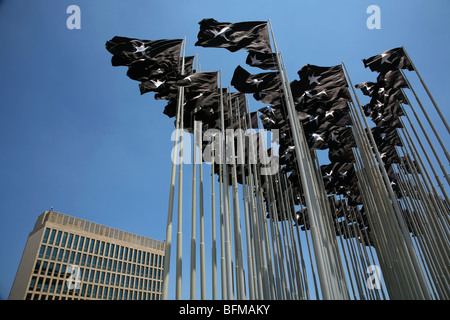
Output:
x,y
67,258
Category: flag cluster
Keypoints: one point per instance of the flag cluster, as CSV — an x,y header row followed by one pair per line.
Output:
x,y
385,106
278,187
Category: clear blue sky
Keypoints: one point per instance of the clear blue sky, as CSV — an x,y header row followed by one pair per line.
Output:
x,y
76,134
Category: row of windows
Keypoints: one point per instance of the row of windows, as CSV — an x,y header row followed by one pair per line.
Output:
x,y
51,269
89,290
103,294
88,245
89,260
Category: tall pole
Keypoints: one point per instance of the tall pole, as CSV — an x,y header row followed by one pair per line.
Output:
x,y
322,245
168,244
202,220
410,263
194,212
428,91
213,228
425,133
227,224
178,282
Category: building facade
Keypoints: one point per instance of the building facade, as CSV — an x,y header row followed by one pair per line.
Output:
x,y
67,258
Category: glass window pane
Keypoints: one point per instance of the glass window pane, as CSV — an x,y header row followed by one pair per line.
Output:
x,y
52,236
46,233
64,239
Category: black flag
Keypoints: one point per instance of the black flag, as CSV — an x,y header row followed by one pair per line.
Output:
x,y
127,50
388,60
315,77
266,61
200,81
245,82
251,35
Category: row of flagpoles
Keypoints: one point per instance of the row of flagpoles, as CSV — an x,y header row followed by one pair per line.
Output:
x,y
305,230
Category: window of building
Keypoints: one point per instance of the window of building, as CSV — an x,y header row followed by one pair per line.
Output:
x,y
72,257
39,284
86,245
59,286
97,243
106,249
46,233
75,242
32,283
52,236
47,252
83,290
80,246
60,255
78,258
44,267
58,238
54,253
50,268
56,271
53,286
69,241
63,270
37,266
64,239
91,247
41,251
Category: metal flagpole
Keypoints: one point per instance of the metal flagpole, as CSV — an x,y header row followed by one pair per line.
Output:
x,y
432,127
221,222
202,221
213,227
428,91
246,209
194,212
411,264
238,235
430,164
328,280
226,222
168,245
180,212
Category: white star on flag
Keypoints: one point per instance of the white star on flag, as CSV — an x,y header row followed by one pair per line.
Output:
x,y
221,33
257,82
384,58
329,113
342,175
328,175
317,136
255,60
157,83
141,48
313,79
334,137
